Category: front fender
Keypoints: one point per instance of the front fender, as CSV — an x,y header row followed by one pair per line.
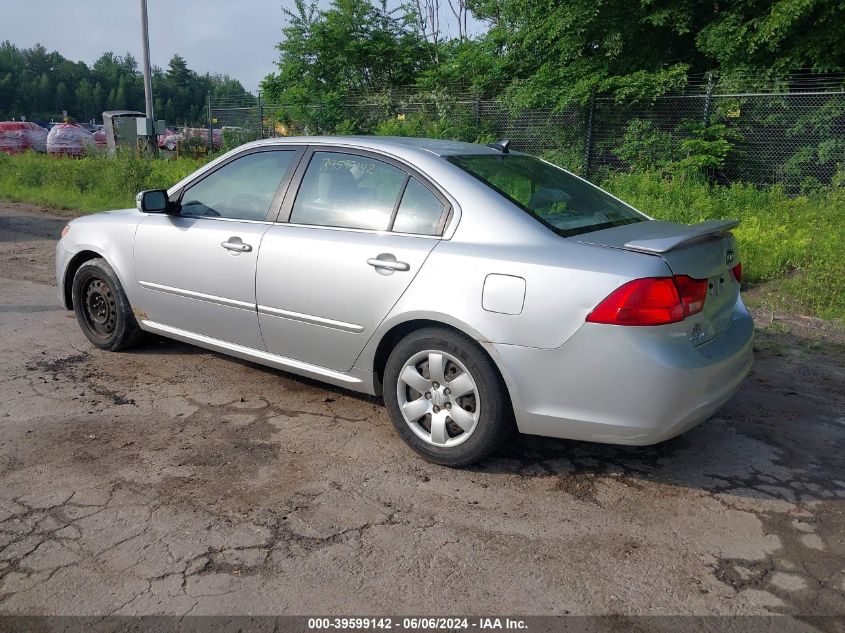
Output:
x,y
107,235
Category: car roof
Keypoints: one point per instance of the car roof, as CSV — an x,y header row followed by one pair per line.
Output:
x,y
438,147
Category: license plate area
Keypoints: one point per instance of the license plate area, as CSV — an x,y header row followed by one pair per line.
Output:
x,y
715,318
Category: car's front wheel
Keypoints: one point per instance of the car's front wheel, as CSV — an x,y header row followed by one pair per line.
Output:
x,y
101,307
445,397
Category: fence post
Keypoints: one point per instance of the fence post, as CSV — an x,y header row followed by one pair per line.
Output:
x,y
588,141
210,135
477,112
708,98
260,117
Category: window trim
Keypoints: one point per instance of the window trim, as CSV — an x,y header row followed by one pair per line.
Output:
x,y
398,202
293,190
278,196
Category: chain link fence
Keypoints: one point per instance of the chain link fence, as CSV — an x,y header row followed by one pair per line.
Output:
x,y
786,135
796,139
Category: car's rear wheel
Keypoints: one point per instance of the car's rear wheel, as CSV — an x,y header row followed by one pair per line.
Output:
x,y
101,307
445,397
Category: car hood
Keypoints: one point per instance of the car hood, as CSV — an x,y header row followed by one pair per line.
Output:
x,y
112,215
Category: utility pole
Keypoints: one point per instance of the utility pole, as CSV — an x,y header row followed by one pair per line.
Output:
x,y
150,143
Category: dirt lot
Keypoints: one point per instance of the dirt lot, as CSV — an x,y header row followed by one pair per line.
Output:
x,y
174,480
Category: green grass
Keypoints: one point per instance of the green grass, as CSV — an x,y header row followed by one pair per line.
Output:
x,y
93,183
792,248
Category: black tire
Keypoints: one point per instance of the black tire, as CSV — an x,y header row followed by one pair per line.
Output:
x,y
495,422
102,309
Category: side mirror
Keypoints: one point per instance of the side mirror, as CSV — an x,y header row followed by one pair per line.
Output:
x,y
152,201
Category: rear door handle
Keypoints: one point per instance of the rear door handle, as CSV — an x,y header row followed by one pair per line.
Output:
x,y
384,263
236,244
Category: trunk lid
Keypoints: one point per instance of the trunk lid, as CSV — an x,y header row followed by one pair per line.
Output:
x,y
702,251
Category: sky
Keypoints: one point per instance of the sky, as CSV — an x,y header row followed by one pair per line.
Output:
x,y
233,37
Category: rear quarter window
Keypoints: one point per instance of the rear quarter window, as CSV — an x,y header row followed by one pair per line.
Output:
x,y
419,212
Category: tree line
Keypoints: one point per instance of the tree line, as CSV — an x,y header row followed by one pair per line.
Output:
x,y
41,85
547,53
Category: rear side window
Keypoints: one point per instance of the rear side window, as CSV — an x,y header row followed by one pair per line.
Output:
x,y
349,191
563,202
419,212
241,190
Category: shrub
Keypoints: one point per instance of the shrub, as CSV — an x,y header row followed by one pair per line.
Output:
x,y
236,136
703,149
461,126
644,147
691,149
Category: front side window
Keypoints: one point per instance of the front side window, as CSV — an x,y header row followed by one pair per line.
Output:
x,y
241,190
561,201
349,191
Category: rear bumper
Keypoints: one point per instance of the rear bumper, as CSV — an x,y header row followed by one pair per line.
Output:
x,y
626,385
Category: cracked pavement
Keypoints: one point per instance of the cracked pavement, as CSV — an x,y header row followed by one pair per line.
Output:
x,y
173,480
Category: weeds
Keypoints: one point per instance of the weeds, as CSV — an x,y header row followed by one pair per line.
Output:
x,y
93,183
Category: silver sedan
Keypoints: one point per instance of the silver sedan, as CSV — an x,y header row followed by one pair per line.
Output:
x,y
479,290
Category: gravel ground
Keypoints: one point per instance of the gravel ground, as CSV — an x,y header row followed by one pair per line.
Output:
x,y
173,480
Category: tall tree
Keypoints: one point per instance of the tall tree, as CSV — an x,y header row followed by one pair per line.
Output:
x,y
40,84
120,102
178,72
553,51
353,46
62,101
84,100
783,35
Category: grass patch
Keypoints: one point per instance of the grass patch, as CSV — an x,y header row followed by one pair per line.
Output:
x,y
93,183
796,242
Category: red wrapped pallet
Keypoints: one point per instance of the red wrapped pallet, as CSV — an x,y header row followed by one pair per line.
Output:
x,y
169,139
37,137
14,137
201,133
69,139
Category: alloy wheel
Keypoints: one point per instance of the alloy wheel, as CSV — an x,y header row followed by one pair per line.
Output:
x,y
438,398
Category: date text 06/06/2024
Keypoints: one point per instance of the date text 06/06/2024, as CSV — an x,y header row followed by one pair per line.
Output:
x,y
417,624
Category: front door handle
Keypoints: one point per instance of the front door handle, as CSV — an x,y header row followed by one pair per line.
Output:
x,y
387,262
236,245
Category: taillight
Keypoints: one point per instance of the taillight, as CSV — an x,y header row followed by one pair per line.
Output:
x,y
652,301
737,271
693,293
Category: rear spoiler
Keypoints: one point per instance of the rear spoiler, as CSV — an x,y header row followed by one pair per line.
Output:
x,y
681,234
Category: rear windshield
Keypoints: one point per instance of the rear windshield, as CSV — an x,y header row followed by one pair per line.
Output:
x,y
561,201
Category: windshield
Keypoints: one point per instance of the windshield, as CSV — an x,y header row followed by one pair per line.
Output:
x,y
561,201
